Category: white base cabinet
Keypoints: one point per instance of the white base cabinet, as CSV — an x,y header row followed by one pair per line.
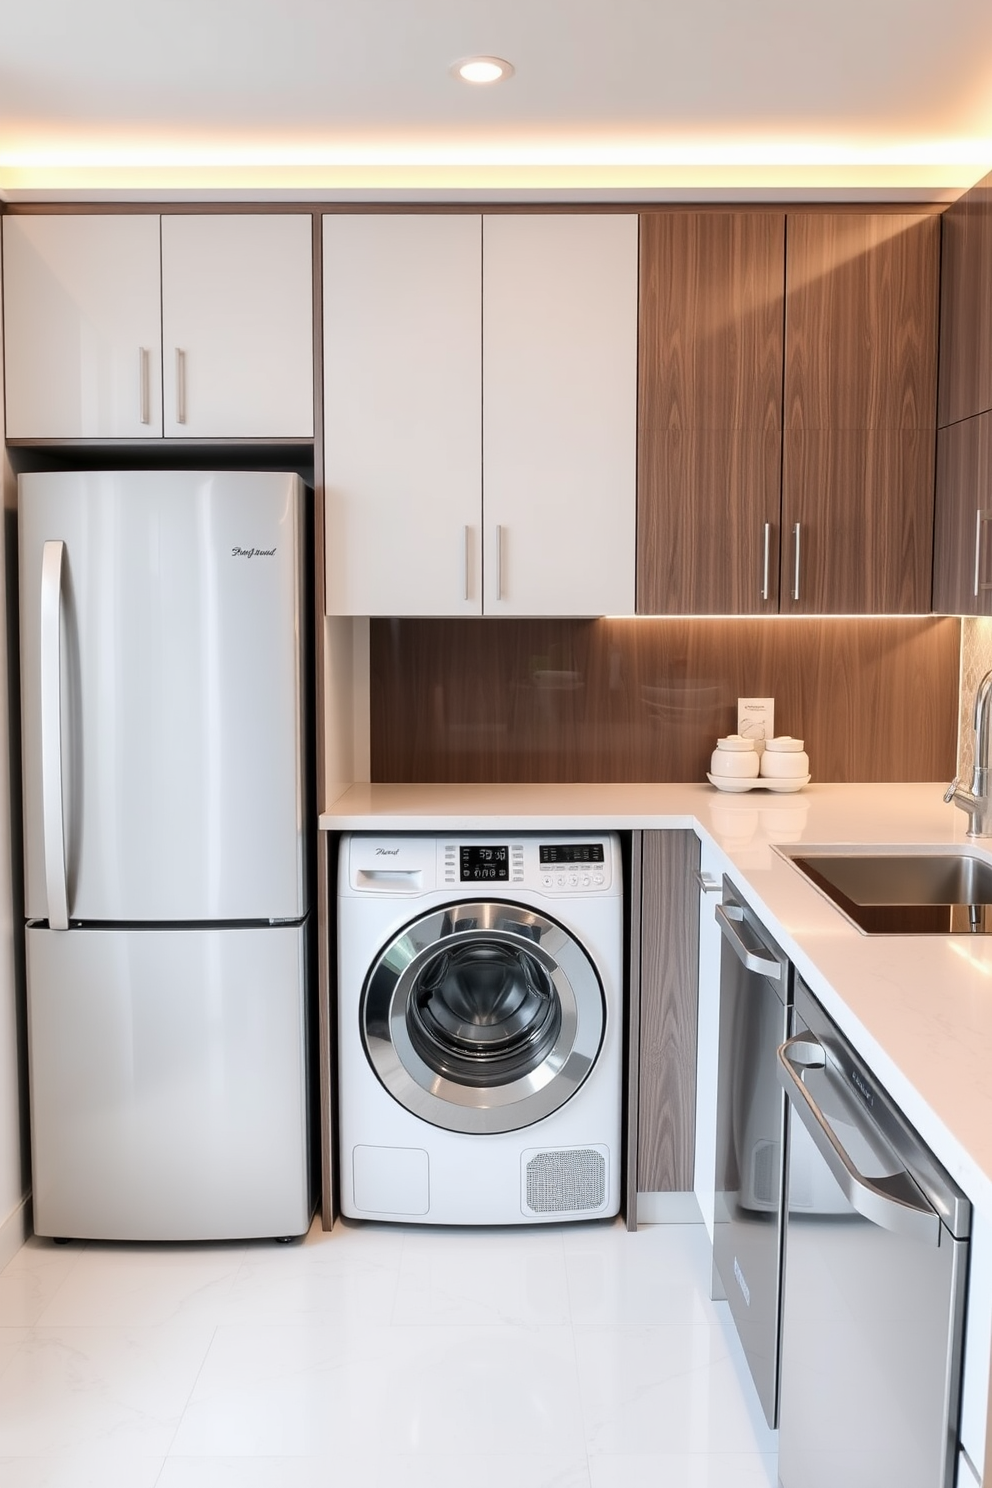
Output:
x,y
480,380
134,326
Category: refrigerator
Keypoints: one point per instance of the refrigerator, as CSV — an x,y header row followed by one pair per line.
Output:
x,y
164,727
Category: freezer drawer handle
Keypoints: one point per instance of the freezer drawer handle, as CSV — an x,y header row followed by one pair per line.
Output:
x,y
53,833
726,916
894,1204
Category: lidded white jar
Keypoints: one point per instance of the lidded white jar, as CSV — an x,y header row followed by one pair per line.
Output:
x,y
735,758
784,758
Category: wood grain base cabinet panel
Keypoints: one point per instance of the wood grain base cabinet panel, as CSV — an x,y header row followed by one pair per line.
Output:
x,y
669,956
966,306
962,559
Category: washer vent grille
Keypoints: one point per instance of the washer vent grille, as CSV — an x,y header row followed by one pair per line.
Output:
x,y
565,1182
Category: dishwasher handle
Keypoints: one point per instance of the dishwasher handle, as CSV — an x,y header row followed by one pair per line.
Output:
x,y
728,917
894,1204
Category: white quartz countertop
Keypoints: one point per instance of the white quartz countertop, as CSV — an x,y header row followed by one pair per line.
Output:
x,y
918,1008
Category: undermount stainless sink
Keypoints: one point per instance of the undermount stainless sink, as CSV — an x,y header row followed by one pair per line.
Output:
x,y
893,892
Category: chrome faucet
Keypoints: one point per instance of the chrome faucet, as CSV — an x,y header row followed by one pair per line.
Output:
x,y
977,801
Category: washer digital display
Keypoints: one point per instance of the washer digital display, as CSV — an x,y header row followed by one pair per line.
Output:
x,y
487,864
573,852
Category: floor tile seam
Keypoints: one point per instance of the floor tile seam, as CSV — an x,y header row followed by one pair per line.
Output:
x,y
181,1416
23,1328
70,1270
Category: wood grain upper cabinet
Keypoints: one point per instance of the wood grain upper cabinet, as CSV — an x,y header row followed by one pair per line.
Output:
x,y
965,381
559,356
403,414
82,327
710,412
237,326
859,415
480,413
962,555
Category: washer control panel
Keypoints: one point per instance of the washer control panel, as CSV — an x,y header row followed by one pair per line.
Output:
x,y
579,864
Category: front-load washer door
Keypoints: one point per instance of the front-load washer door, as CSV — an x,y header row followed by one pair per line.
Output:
x,y
482,1017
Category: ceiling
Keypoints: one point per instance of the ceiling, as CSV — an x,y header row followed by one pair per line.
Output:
x,y
611,99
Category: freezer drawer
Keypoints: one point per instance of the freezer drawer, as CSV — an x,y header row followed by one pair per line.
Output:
x,y
168,1082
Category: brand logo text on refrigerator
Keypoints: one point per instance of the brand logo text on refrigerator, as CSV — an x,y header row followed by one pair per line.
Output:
x,y
237,552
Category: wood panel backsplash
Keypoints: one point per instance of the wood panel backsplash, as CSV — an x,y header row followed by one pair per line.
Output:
x,y
587,700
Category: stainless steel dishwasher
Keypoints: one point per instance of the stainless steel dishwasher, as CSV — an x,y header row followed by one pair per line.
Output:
x,y
875,1274
750,1136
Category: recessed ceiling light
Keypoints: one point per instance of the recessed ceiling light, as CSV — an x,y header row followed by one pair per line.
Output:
x,y
482,69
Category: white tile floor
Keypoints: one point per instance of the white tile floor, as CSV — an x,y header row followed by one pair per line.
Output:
x,y
377,1357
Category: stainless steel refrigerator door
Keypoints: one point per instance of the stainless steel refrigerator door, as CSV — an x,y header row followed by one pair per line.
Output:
x,y
168,1083
162,685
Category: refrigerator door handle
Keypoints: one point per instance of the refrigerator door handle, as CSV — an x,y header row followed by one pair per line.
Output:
x,y
53,556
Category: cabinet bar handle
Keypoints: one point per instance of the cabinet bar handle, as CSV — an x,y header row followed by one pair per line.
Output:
x,y
499,562
180,386
706,882
143,404
466,557
766,568
981,517
795,574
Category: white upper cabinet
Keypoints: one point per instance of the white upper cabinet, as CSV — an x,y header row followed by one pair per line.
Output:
x,y
82,327
86,298
402,414
237,326
480,382
559,413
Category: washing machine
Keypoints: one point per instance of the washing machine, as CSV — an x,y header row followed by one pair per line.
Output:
x,y
480,987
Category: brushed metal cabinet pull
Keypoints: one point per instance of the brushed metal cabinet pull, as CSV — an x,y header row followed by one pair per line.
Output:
x,y
981,517
795,573
766,568
144,410
180,386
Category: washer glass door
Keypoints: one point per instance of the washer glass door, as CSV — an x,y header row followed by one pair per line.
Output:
x,y
483,1017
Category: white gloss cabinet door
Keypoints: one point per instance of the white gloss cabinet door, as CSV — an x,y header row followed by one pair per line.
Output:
x,y
82,327
237,326
402,414
559,413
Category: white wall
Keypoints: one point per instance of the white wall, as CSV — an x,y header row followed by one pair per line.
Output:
x,y
14,1176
